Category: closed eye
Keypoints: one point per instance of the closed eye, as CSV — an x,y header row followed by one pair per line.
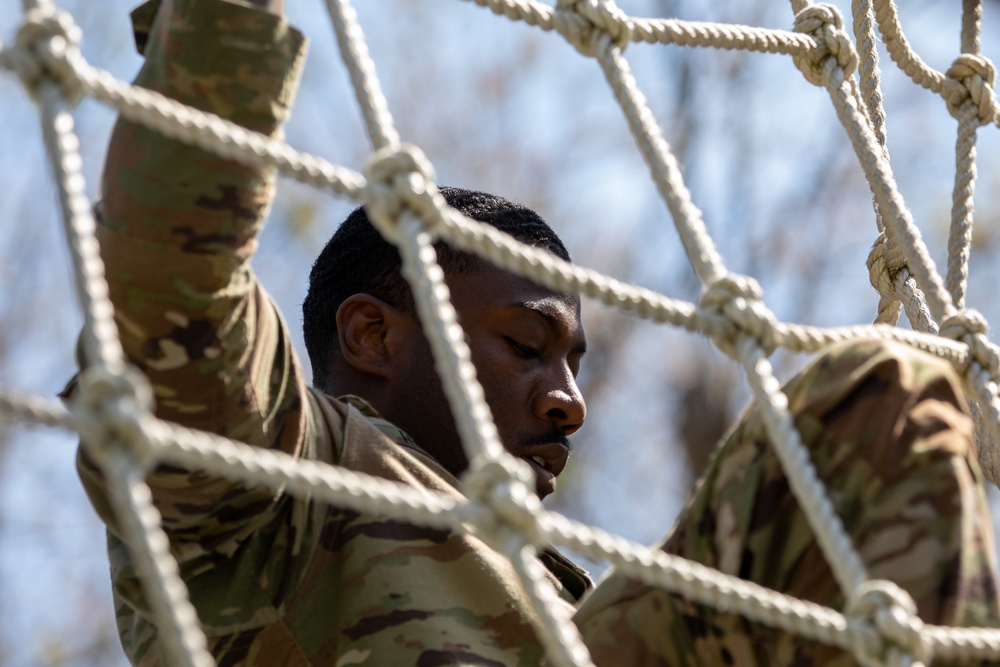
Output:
x,y
525,351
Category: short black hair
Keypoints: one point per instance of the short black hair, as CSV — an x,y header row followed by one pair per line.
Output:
x,y
357,260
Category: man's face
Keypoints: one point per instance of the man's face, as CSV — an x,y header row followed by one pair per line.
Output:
x,y
527,343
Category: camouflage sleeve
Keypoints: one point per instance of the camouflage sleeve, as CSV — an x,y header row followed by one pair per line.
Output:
x,y
887,431
177,228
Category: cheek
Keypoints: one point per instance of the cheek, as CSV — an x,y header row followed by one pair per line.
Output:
x,y
506,388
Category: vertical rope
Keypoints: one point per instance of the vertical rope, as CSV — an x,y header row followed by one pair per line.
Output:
x,y
139,522
663,166
899,222
799,5
100,335
868,71
915,304
563,645
367,89
870,81
836,545
960,233
452,357
972,20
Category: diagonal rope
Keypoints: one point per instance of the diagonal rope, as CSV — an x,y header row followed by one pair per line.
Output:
x,y
367,89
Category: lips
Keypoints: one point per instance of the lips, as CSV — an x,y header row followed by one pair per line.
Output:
x,y
547,461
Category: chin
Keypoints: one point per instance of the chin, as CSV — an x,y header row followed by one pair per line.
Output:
x,y
545,488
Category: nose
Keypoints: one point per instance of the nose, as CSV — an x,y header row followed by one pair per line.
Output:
x,y
561,403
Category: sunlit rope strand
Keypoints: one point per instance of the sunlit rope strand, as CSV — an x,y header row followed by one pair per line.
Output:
x,y
100,335
903,55
972,23
870,85
550,271
843,559
138,521
367,89
720,36
665,170
697,582
799,5
915,304
35,409
960,232
671,31
887,311
963,645
452,356
280,472
208,131
868,71
561,638
211,133
880,178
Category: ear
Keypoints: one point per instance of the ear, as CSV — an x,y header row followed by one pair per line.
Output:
x,y
367,328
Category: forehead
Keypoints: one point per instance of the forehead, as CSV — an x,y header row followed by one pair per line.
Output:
x,y
488,290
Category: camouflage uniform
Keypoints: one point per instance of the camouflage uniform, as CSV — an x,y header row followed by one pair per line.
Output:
x,y
891,441
275,580
282,581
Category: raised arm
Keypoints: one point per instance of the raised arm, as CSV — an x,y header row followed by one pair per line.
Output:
x,y
177,228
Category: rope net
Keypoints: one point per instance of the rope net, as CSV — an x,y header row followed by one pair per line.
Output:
x,y
113,411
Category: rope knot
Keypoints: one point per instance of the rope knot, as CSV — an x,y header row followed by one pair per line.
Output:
x,y
833,45
882,271
46,51
400,178
976,74
113,408
739,299
891,614
504,487
969,327
591,25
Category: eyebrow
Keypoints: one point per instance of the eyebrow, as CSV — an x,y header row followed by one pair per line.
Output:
x,y
553,319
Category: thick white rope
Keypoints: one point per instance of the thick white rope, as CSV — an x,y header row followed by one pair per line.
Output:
x,y
920,72
976,75
399,187
805,484
870,86
367,89
452,356
663,166
33,409
181,638
972,24
897,217
960,233
114,421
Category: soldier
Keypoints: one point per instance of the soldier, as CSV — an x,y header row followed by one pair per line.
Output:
x,y
282,581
